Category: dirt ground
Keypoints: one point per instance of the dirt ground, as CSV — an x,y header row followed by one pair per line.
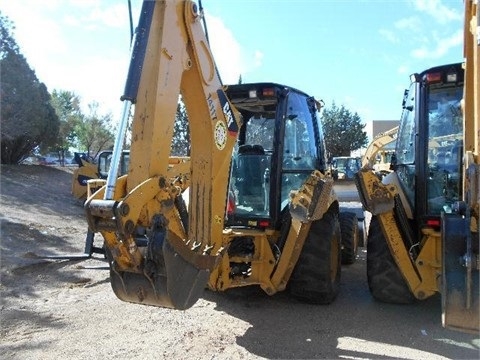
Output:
x,y
53,309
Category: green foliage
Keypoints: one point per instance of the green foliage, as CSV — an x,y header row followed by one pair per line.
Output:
x,y
67,108
27,118
7,42
94,132
181,132
344,131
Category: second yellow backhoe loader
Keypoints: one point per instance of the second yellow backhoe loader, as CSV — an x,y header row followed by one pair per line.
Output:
x,y
378,154
88,169
424,233
252,206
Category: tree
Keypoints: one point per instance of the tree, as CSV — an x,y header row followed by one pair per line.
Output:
x,y
27,118
343,131
181,132
67,108
94,132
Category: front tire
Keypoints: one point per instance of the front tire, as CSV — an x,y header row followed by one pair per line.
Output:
x,y
385,281
316,277
350,237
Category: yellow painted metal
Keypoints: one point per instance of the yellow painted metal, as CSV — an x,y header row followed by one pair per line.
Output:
x,y
262,262
461,308
93,185
177,61
429,263
471,108
88,170
312,200
293,247
378,145
308,204
212,143
159,89
376,197
471,100
267,271
391,231
425,275
421,275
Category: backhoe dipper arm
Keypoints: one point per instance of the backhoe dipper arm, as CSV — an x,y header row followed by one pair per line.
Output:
x,y
152,258
377,144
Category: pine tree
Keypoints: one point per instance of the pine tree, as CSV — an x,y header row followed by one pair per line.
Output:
x,y
344,131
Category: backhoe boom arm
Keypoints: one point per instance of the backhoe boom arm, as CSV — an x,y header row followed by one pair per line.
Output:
x,y
171,268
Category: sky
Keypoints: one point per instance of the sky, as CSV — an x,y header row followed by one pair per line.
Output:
x,y
356,53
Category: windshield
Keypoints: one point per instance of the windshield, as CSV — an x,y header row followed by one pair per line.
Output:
x,y
340,164
254,175
260,131
250,185
104,163
445,148
343,164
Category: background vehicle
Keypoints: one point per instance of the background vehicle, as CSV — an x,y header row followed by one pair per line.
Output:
x,y
344,167
423,236
88,169
266,216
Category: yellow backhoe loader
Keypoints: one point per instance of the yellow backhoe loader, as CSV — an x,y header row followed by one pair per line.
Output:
x,y
252,206
378,154
424,233
88,169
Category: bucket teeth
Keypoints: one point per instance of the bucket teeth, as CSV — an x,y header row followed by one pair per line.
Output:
x,y
207,249
196,246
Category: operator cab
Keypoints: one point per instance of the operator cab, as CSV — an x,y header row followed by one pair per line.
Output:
x,y
429,168
279,145
105,159
345,167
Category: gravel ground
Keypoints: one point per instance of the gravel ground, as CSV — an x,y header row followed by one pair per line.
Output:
x,y
53,309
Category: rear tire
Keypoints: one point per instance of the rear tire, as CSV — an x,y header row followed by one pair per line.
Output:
x,y
350,237
316,277
385,281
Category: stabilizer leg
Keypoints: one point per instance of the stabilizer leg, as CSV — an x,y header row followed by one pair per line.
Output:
x,y
460,289
90,249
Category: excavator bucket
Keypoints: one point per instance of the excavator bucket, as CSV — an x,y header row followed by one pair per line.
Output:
x,y
178,285
460,293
